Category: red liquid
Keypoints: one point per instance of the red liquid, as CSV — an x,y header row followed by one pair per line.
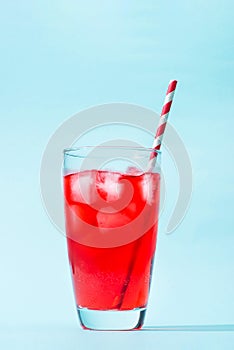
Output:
x,y
111,277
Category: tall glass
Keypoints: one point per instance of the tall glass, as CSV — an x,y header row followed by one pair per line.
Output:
x,y
111,198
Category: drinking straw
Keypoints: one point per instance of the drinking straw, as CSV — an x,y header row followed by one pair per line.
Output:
x,y
162,122
156,146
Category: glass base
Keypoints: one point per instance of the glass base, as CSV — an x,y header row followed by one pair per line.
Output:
x,y
111,320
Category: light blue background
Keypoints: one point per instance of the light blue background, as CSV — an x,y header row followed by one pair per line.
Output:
x,y
59,57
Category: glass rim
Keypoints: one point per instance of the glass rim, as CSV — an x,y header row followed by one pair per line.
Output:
x,y
71,150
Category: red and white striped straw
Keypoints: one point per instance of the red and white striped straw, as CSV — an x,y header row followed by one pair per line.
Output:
x,y
162,121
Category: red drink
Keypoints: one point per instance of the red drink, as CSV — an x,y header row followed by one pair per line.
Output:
x,y
110,276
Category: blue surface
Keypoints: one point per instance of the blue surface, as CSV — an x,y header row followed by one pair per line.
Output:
x,y
70,338
62,56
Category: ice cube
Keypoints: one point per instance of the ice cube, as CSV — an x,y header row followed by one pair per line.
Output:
x,y
131,170
149,187
108,185
82,187
110,218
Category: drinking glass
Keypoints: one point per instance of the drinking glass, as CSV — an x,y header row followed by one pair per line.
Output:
x,y
111,199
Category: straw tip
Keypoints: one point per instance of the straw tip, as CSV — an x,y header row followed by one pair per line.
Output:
x,y
171,86
173,81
